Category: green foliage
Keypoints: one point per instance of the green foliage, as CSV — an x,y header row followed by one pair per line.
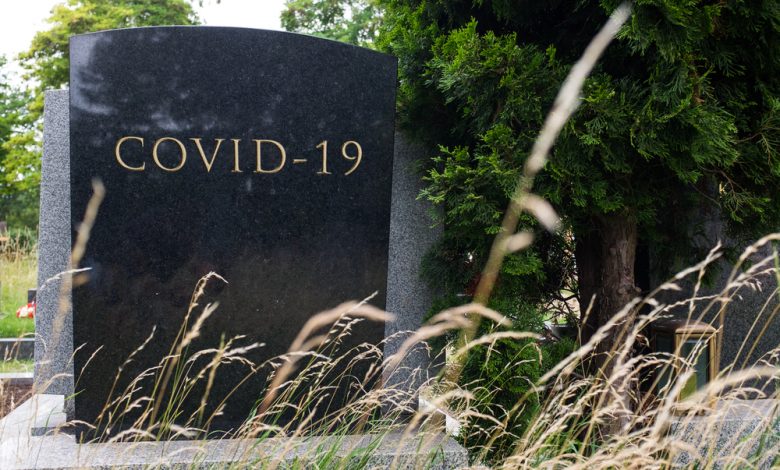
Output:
x,y
18,271
502,377
15,365
351,21
681,110
22,241
20,209
472,183
684,101
19,164
47,60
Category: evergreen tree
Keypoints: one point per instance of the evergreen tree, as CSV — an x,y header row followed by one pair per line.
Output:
x,y
351,21
685,100
47,66
18,163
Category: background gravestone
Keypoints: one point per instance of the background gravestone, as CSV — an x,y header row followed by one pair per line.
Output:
x,y
53,319
292,208
751,326
409,298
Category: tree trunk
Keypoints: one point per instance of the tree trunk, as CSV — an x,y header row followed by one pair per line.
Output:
x,y
587,253
605,268
618,237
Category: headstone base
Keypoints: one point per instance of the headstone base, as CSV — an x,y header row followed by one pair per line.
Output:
x,y
23,450
736,434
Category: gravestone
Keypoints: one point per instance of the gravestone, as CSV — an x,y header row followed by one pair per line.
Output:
x,y
53,317
750,325
265,157
409,297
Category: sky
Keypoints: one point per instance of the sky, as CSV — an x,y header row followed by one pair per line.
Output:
x,y
21,19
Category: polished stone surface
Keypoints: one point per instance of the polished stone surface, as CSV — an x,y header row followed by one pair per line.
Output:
x,y
17,348
289,243
750,331
412,235
53,318
732,434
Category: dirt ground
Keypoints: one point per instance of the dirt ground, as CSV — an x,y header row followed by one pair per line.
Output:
x,y
12,396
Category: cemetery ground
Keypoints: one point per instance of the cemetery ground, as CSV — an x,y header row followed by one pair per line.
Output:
x,y
18,267
502,396
560,423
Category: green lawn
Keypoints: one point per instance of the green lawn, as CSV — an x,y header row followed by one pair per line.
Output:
x,y
17,274
24,365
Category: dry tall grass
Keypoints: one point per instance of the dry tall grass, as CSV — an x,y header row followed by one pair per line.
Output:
x,y
565,433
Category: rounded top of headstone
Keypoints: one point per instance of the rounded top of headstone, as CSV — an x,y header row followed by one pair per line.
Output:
x,y
240,34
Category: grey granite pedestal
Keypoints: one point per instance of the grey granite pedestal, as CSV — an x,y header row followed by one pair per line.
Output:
x,y
54,319
22,446
736,434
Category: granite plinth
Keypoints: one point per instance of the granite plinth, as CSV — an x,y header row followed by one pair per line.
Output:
x,y
40,413
737,434
20,450
61,453
408,296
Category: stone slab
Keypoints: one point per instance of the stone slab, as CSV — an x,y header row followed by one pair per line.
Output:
x,y
19,450
17,348
16,378
40,412
412,234
408,297
54,319
737,434
345,452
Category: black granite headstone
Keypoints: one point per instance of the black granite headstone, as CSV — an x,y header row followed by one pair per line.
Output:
x,y
265,157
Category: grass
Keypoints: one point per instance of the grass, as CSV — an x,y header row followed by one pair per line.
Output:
x,y
567,431
16,365
585,420
12,327
18,273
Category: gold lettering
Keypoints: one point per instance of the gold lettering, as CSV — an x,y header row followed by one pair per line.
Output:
x,y
324,146
259,143
236,168
118,154
181,148
206,162
357,158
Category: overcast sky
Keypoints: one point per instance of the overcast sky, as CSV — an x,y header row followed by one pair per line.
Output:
x,y
20,19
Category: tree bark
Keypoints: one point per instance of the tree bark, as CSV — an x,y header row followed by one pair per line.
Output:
x,y
605,268
618,284
587,253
